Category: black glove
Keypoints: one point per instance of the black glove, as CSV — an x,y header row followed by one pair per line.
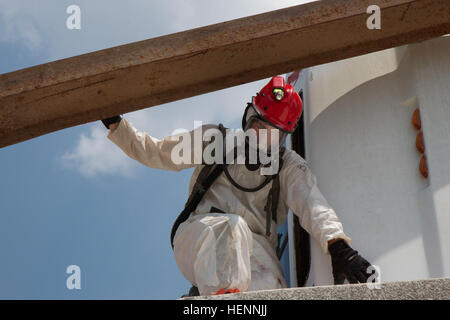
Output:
x,y
347,263
109,121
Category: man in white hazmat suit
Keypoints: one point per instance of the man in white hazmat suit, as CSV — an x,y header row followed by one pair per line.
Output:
x,y
226,242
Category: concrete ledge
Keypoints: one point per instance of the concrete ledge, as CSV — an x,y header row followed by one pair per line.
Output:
x,y
430,289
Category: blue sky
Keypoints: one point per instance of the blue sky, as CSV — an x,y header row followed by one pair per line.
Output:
x,y
72,197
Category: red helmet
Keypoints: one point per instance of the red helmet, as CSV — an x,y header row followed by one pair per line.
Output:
x,y
278,104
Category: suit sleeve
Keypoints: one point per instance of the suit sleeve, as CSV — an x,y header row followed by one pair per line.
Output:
x,y
306,201
165,154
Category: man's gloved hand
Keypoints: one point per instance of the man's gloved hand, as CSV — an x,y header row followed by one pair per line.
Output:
x,y
109,121
347,263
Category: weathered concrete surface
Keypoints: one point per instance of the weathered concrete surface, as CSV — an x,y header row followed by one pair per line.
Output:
x,y
89,87
430,289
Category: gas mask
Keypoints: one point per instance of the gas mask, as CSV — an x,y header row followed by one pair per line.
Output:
x,y
262,139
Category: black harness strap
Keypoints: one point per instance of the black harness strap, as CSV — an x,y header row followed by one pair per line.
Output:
x,y
271,206
208,174
205,179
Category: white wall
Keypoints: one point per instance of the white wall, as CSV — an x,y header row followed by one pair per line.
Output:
x,y
360,144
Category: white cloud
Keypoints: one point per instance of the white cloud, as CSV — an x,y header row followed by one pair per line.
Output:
x,y
19,27
94,154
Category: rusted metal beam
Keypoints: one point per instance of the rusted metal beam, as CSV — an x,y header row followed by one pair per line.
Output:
x,y
89,87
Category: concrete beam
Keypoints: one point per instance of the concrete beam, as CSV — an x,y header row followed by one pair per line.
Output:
x,y
89,87
429,289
